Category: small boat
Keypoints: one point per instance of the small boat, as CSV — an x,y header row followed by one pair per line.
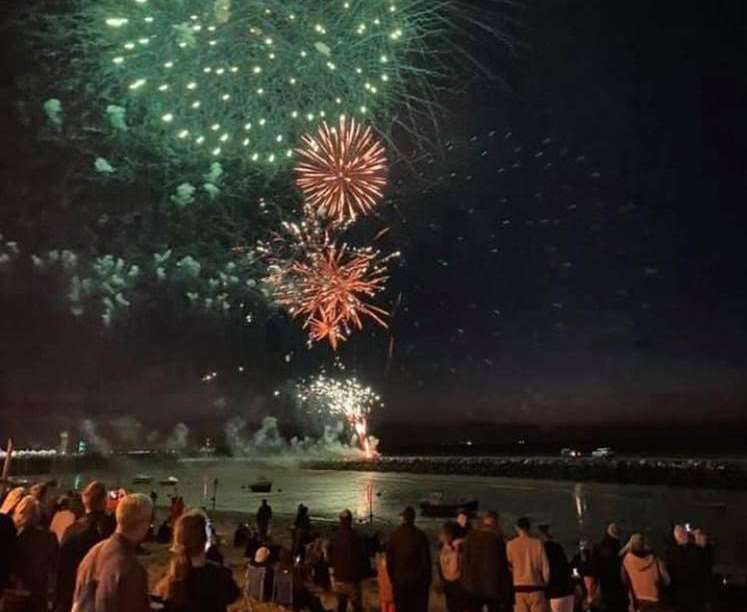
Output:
x,y
261,486
436,506
142,479
171,481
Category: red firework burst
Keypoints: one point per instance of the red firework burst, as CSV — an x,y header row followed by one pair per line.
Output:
x,y
342,171
329,288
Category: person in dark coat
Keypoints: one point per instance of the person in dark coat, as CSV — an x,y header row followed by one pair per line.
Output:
x,y
35,562
607,564
301,532
583,572
96,525
684,563
347,559
705,554
264,516
485,574
408,560
464,524
8,548
559,591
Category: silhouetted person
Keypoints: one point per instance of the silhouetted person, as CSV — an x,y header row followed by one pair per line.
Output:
x,y
35,562
347,558
485,573
8,548
560,587
301,531
408,561
606,566
264,516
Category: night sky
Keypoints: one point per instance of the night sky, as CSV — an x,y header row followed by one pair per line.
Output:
x,y
572,251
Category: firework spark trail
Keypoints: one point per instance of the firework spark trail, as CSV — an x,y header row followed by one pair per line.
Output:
x,y
329,286
342,171
346,398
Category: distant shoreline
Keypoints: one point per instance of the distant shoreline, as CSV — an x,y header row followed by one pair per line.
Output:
x,y
706,473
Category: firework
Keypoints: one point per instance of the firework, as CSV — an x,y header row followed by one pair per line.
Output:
x,y
341,171
342,398
329,288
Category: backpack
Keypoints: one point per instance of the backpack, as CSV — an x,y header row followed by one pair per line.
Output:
x,y
451,563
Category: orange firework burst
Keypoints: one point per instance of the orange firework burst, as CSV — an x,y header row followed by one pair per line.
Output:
x,y
329,288
342,171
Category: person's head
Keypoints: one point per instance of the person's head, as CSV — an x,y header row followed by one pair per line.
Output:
x,y
262,555
63,503
346,518
189,534
12,499
584,545
614,531
544,532
39,492
680,534
408,516
523,526
637,544
463,519
449,532
134,512
264,502
188,544
94,497
700,537
27,513
490,520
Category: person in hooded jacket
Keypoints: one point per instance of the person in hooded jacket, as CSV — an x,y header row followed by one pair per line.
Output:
x,y
644,574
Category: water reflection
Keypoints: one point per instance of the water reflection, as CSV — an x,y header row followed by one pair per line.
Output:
x,y
580,500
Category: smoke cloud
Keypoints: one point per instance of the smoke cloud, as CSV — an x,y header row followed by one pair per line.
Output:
x,y
268,441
